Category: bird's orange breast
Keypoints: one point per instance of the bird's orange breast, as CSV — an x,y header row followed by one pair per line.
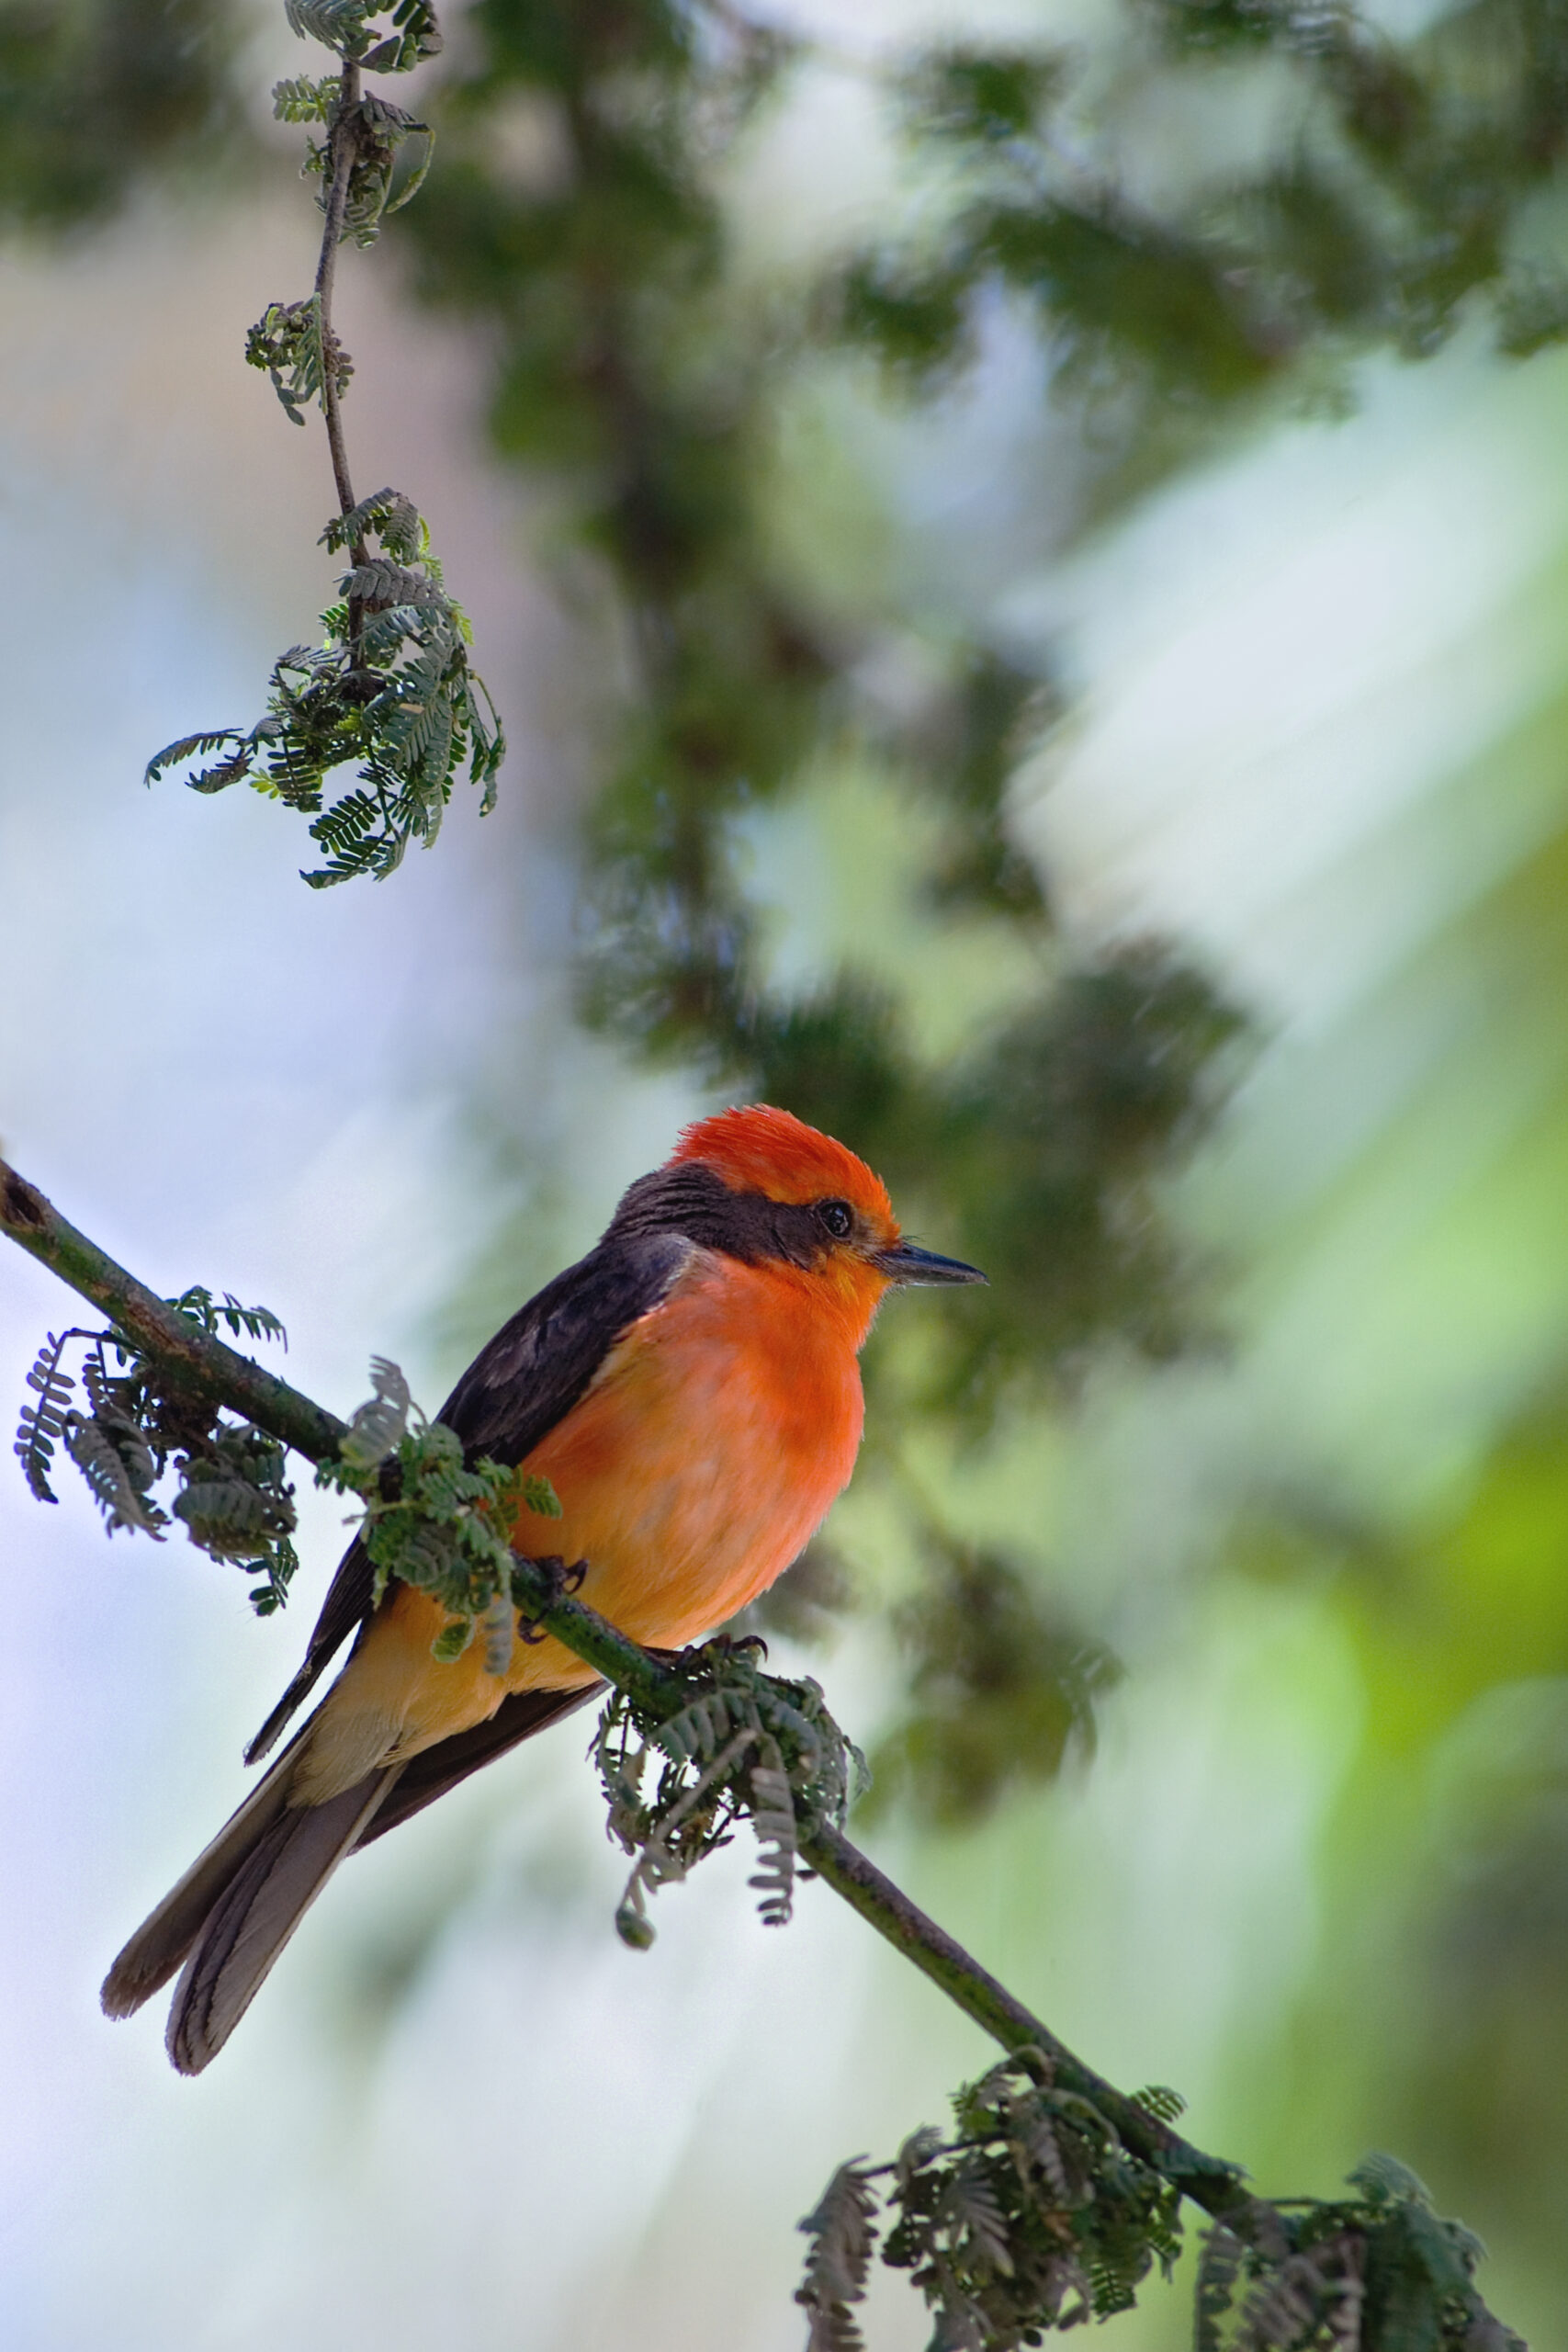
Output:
x,y
706,1453
702,1458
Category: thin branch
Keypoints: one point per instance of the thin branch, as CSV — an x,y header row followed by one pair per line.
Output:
x,y
1211,2183
204,1367
198,1366
343,146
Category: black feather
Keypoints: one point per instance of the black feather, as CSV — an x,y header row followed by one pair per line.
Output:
x,y
541,1363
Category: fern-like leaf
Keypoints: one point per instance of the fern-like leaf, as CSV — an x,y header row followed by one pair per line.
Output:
x,y
1157,2099
355,833
1044,2147
336,23
42,1427
303,99
383,584
214,739
1282,2310
1384,2182
698,1729
975,2209
377,1426
389,516
237,1504
843,2232
774,1827
1220,2263
227,1516
250,1322
280,1564
113,1457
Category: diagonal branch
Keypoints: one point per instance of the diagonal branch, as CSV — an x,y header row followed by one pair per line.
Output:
x,y
197,1365
1211,2183
202,1366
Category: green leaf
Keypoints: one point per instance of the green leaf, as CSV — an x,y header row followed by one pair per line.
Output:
x,y
213,779
336,23
251,1322
1384,2181
304,99
43,1426
1157,2099
377,1426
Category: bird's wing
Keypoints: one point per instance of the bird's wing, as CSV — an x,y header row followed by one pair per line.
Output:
x,y
525,1380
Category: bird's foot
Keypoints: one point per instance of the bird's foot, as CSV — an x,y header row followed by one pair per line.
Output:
x,y
726,1645
562,1580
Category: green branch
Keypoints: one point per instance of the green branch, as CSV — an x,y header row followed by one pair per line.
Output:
x,y
390,691
198,1366
342,148
1211,2183
204,1368
1050,2156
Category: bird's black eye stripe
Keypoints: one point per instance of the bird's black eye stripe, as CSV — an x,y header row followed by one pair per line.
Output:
x,y
838,1217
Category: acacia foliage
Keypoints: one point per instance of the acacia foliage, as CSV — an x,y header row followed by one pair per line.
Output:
x,y
434,1519
1032,2216
744,1744
390,691
429,1517
133,1426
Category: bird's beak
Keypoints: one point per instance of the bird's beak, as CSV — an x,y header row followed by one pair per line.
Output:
x,y
903,1264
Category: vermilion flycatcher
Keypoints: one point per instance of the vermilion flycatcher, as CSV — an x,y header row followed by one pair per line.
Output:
x,y
690,1389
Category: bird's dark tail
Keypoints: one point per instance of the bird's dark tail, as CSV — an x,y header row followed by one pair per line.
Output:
x,y
235,1908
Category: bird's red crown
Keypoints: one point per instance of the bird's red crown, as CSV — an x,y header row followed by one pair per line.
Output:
x,y
758,1150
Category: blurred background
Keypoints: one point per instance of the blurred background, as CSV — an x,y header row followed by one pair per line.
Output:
x,y
1023,550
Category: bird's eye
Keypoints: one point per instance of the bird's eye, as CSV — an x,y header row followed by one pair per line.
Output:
x,y
838,1217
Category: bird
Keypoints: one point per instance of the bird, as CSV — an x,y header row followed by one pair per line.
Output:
x,y
691,1391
